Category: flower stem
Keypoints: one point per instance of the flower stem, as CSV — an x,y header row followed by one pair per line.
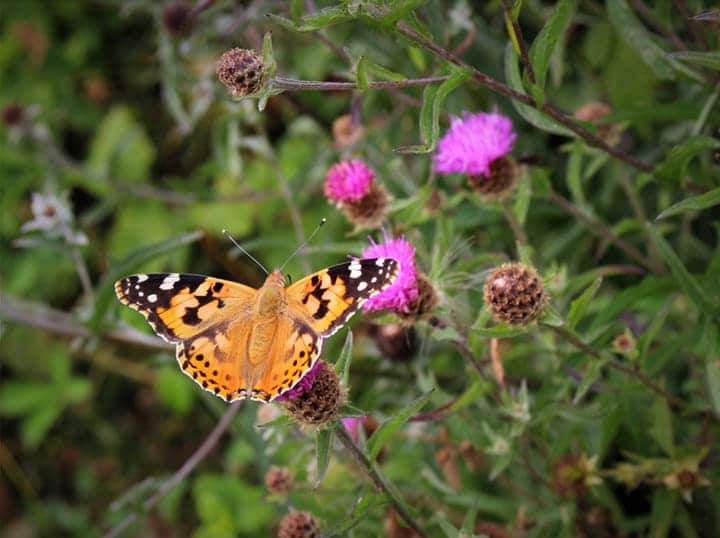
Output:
x,y
498,87
380,482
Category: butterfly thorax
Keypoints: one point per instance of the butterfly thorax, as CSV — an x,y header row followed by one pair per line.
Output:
x,y
269,305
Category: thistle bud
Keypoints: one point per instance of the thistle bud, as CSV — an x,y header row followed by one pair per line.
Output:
x,y
319,403
514,294
501,181
241,71
279,480
299,525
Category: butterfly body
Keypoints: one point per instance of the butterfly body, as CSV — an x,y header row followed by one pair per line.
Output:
x,y
240,342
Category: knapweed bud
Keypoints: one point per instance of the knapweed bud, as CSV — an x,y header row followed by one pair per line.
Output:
x,y
346,132
594,112
370,210
178,18
501,181
394,340
299,525
318,402
422,307
514,294
351,186
279,480
241,71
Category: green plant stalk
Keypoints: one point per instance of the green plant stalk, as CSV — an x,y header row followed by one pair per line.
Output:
x,y
316,85
380,481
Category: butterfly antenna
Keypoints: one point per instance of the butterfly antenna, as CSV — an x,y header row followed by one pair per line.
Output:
x,y
230,237
317,229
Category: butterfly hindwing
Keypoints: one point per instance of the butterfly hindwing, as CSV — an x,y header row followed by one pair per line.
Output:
x,y
180,305
331,296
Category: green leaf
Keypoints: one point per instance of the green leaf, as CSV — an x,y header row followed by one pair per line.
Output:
x,y
672,168
704,59
661,428
499,331
650,333
433,99
20,398
531,115
390,426
574,174
711,341
664,502
34,427
590,376
269,62
175,390
694,203
323,446
342,366
324,18
283,421
579,306
523,196
106,290
544,44
682,277
632,31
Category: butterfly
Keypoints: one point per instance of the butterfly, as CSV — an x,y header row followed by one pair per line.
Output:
x,y
240,342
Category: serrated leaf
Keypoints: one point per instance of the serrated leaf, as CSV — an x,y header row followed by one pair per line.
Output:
x,y
579,306
106,292
672,168
324,18
531,115
342,366
542,48
694,203
390,426
323,446
685,281
632,31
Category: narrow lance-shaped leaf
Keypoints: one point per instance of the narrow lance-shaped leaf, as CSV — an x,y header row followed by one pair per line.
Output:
x,y
323,446
672,169
542,48
342,366
694,203
579,306
390,426
311,23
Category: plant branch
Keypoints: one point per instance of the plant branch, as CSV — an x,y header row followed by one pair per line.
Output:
x,y
317,85
647,14
184,471
520,40
598,228
374,475
498,87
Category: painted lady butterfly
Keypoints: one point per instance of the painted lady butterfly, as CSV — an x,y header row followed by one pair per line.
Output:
x,y
240,342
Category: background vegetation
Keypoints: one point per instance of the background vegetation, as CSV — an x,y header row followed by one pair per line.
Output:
x,y
111,111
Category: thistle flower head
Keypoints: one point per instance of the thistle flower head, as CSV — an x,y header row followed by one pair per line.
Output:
x,y
473,142
305,384
348,181
319,404
403,291
242,71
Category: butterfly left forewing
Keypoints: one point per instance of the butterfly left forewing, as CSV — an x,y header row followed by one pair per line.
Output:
x,y
330,297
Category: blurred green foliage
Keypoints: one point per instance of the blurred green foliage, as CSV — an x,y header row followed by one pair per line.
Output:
x,y
117,107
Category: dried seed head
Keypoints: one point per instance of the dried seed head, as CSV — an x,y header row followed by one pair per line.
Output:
x,y
395,341
279,480
12,114
594,112
241,71
502,179
424,304
299,525
345,132
179,18
320,404
370,210
514,294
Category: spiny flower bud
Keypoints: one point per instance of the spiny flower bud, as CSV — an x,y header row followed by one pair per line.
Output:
x,y
514,294
178,18
320,403
501,181
241,71
279,480
299,525
423,305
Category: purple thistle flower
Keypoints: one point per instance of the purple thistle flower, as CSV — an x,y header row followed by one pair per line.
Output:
x,y
473,142
352,424
348,181
305,383
403,291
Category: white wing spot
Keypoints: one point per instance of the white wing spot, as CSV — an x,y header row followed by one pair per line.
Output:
x,y
169,282
140,294
355,266
142,278
152,298
362,286
137,287
380,262
355,273
373,279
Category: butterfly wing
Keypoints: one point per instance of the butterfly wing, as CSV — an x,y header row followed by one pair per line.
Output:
x,y
208,318
327,299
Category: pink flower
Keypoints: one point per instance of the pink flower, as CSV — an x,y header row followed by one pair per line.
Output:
x,y
352,424
403,291
348,181
305,383
473,142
